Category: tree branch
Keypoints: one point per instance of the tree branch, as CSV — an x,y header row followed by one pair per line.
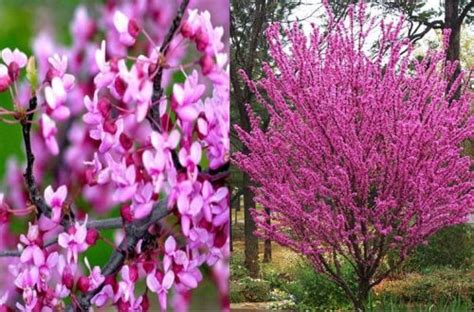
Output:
x,y
154,112
134,232
106,224
464,13
33,191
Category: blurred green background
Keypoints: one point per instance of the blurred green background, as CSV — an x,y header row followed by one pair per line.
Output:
x,y
21,22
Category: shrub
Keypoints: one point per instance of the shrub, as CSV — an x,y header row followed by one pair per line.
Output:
x,y
440,250
312,290
250,289
439,287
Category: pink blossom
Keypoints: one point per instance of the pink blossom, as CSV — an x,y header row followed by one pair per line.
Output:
x,y
49,130
46,269
74,241
101,298
190,158
127,28
83,26
95,278
160,284
125,179
212,201
55,98
5,80
30,300
93,116
15,61
32,253
105,76
166,141
16,56
55,199
185,98
126,286
142,203
139,89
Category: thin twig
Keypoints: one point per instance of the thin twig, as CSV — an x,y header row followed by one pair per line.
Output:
x,y
154,112
33,191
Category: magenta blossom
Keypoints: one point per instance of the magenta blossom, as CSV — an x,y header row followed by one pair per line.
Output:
x,y
160,283
74,241
127,28
5,80
15,61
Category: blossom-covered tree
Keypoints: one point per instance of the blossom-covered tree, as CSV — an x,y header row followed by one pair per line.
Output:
x,y
362,155
133,117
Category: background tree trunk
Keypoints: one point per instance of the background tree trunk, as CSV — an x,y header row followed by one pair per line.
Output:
x,y
267,250
251,242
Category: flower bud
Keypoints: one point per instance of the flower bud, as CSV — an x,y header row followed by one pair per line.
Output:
x,y
104,106
13,71
202,40
110,126
133,271
125,141
68,279
83,284
207,63
145,303
133,28
92,236
186,30
126,213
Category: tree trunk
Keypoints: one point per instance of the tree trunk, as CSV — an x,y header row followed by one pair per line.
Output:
x,y
360,305
452,21
267,251
251,241
230,222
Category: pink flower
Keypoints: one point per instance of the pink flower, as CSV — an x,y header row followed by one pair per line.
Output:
x,y
127,28
83,26
32,253
101,298
160,284
185,98
142,201
46,269
95,278
139,88
170,250
105,75
126,286
212,201
108,133
191,158
166,141
124,177
15,61
188,208
93,115
30,300
55,96
5,80
48,127
55,199
74,241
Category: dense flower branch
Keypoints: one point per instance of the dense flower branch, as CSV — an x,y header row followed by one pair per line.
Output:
x,y
99,96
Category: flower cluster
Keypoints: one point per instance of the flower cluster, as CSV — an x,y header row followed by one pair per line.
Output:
x,y
125,123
